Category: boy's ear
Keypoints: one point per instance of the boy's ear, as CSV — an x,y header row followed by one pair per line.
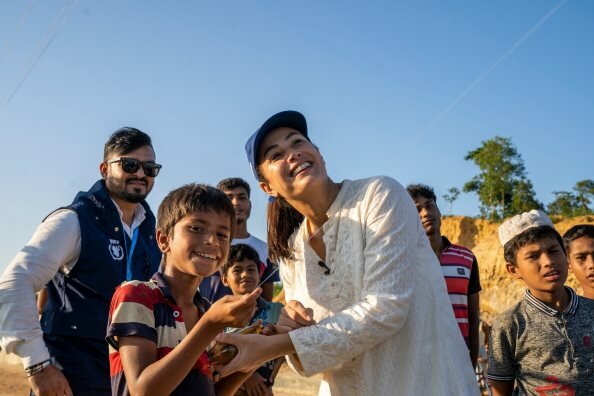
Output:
x,y
162,241
224,279
513,270
267,189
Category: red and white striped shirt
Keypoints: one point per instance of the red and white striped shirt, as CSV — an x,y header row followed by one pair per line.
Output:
x,y
460,270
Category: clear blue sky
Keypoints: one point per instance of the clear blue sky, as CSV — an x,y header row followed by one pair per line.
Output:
x,y
373,79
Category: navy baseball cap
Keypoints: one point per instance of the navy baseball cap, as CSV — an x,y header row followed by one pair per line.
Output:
x,y
289,118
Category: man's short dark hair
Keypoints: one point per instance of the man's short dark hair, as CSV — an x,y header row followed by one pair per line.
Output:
x,y
531,235
421,190
124,141
234,182
189,199
578,231
239,253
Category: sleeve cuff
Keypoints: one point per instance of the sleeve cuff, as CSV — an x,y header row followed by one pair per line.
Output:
x,y
128,330
32,352
500,377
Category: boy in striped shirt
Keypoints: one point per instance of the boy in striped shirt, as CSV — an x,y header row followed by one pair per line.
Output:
x,y
158,331
458,264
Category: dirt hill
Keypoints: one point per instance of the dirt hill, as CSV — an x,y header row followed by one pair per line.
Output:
x,y
500,291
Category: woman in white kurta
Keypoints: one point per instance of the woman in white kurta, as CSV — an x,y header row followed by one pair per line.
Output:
x,y
359,259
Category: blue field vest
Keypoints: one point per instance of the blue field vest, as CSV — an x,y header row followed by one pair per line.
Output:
x,y
78,304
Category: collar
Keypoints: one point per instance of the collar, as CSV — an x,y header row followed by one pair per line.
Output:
x,y
99,192
445,243
536,303
139,216
160,281
340,197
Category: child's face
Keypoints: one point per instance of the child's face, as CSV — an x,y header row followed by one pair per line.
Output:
x,y
581,260
199,244
242,277
541,265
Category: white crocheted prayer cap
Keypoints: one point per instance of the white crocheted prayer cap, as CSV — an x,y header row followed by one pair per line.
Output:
x,y
520,223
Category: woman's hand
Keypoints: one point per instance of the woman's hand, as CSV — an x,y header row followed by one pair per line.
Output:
x,y
233,311
254,350
293,316
251,352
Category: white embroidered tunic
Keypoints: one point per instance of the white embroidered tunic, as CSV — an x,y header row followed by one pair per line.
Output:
x,y
385,325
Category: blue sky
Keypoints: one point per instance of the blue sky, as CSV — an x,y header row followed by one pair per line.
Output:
x,y
373,79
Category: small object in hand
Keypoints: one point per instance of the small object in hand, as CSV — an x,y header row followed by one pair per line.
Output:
x,y
221,354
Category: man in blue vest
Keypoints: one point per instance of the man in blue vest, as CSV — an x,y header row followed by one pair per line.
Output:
x,y
82,252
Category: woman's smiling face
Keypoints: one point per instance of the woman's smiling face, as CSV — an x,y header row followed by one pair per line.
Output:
x,y
290,164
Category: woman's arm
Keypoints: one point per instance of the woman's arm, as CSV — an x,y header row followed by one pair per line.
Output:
x,y
254,350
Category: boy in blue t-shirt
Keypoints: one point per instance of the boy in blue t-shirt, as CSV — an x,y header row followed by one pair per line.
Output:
x,y
158,331
240,274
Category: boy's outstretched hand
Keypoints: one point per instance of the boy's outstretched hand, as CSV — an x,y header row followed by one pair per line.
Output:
x,y
234,311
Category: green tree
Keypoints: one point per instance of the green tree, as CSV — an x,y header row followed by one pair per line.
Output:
x,y
584,192
570,204
451,197
502,185
523,198
564,204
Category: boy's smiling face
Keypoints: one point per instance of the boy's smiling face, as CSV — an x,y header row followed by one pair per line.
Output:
x,y
542,265
199,243
242,277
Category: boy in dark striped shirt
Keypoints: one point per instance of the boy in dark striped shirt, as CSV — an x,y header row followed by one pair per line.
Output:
x,y
459,267
543,345
158,331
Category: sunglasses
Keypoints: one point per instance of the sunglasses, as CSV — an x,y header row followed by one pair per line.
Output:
x,y
131,165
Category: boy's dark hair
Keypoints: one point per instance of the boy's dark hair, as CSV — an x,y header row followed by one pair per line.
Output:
x,y
531,235
234,182
193,198
421,190
124,141
578,231
238,253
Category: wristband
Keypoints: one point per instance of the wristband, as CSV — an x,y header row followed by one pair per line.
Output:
x,y
39,367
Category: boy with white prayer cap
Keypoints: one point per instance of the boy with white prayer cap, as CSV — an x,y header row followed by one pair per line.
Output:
x,y
544,344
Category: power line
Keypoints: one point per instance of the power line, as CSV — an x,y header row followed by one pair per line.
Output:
x,y
480,78
48,38
17,30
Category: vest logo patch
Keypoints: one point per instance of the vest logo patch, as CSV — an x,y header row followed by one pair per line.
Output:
x,y
97,203
460,271
116,250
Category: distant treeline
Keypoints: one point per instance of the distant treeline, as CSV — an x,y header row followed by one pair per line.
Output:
x,y
504,189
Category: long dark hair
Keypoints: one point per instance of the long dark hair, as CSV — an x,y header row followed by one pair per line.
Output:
x,y
281,220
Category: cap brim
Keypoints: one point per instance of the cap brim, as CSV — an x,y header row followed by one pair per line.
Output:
x,y
291,119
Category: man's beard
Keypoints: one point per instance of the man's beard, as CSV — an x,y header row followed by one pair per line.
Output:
x,y
118,190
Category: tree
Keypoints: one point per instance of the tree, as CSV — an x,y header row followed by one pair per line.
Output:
x,y
584,191
570,204
451,197
523,198
564,204
502,185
